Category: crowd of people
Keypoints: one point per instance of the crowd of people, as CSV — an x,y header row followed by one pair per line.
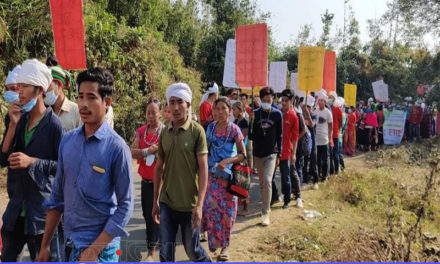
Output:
x,y
70,182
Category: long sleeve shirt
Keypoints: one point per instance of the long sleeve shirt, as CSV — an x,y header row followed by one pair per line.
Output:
x,y
266,132
93,185
32,186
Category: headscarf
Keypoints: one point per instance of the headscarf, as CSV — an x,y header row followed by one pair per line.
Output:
x,y
211,90
63,76
35,73
12,75
322,96
334,94
180,90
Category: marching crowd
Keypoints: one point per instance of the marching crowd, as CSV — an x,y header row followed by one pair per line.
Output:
x,y
70,182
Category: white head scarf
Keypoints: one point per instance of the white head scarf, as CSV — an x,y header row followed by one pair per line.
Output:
x,y
322,96
334,94
211,90
180,90
12,76
35,73
310,100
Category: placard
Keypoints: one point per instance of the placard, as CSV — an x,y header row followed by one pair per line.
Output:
x,y
329,77
278,75
394,127
350,93
229,67
294,85
380,90
310,68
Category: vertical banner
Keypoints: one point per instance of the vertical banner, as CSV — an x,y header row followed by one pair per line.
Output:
x,y
380,90
251,55
294,85
350,93
394,127
229,68
310,68
329,77
278,75
68,33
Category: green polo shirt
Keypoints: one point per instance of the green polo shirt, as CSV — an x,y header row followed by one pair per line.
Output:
x,y
179,149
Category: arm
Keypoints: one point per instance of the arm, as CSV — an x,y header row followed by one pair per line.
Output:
x,y
236,159
279,133
53,218
330,132
158,181
196,218
14,116
245,132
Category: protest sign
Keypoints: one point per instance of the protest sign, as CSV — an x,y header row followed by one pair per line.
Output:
x,y
394,127
248,90
251,55
329,77
294,85
310,68
278,75
380,90
350,92
229,67
68,33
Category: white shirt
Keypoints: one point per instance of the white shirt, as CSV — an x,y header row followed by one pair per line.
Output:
x,y
69,115
322,118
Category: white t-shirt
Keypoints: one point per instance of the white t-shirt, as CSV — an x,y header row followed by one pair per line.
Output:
x,y
322,118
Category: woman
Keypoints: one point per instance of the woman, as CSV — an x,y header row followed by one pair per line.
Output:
x,y
371,126
167,115
220,207
350,133
144,148
240,120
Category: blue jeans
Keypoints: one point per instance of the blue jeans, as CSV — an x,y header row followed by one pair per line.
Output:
x,y
170,220
108,254
289,180
322,161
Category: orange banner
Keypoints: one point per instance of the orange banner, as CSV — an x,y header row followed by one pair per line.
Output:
x,y
251,55
68,33
329,77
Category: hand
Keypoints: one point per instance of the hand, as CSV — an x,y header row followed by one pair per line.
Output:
x,y
153,149
44,254
293,158
196,217
222,165
332,144
20,161
88,255
156,213
14,112
277,162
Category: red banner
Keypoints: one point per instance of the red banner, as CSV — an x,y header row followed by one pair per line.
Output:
x,y
329,76
68,33
251,55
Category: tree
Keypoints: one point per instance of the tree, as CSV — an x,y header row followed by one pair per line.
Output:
x,y
327,21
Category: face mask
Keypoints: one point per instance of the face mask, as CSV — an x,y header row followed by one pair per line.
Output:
x,y
28,107
266,106
330,101
350,111
50,98
10,97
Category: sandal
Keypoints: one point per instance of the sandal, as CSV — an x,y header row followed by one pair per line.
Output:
x,y
224,255
203,237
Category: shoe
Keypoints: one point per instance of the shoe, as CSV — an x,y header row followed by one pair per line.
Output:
x,y
203,237
286,205
265,220
299,203
315,186
272,202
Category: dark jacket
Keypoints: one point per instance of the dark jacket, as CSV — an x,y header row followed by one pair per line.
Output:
x,y
32,186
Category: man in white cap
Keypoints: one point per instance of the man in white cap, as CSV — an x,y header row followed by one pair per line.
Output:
x,y
30,149
205,109
180,178
324,135
337,124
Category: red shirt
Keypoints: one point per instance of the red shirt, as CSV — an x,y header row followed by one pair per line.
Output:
x,y
290,132
380,118
351,124
416,115
337,121
205,111
248,109
146,172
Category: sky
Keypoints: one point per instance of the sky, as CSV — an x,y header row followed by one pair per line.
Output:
x,y
287,16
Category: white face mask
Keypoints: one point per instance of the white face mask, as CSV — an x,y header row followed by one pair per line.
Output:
x,y
50,98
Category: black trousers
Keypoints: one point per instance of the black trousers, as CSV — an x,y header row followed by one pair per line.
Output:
x,y
323,161
152,229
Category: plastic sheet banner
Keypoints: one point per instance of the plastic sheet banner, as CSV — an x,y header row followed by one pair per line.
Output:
x,y
68,33
329,77
251,55
394,127
350,93
380,90
229,69
294,85
278,75
310,68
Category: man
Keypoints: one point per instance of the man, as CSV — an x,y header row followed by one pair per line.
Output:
x,y
30,149
337,124
415,119
66,110
93,187
266,136
180,178
324,135
309,169
244,100
289,175
206,103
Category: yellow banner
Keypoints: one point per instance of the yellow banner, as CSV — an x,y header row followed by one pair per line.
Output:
x,y
310,68
350,91
248,91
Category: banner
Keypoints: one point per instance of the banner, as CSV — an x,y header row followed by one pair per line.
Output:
x,y
278,75
229,68
248,90
310,68
394,127
251,55
350,92
380,90
329,77
294,85
68,33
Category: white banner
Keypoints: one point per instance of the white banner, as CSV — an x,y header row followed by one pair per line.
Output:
x,y
278,75
294,85
394,127
229,69
380,90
